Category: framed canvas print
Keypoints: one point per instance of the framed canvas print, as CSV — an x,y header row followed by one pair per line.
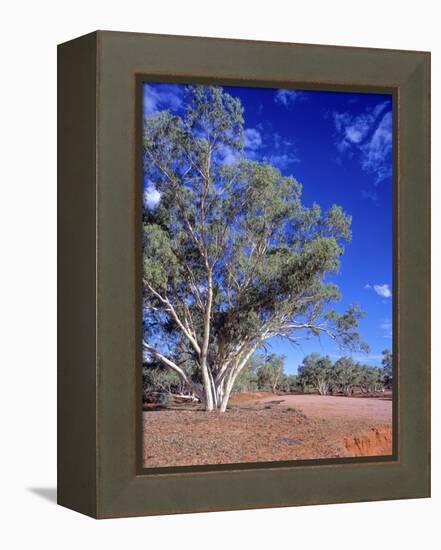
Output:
x,y
244,274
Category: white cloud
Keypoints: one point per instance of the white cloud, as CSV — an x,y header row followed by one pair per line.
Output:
x,y
383,290
283,160
378,149
151,196
288,97
161,97
226,155
354,134
369,136
252,139
386,327
370,193
263,143
284,152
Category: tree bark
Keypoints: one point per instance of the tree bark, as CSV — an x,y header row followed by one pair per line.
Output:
x,y
226,397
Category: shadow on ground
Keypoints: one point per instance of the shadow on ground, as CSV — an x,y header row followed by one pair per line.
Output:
x,y
48,493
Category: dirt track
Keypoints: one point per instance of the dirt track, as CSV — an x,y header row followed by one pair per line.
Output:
x,y
318,406
269,428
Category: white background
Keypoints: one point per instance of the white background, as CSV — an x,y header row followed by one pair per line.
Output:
x,y
29,34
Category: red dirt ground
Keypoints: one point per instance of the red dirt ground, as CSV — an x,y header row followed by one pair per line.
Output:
x,y
319,406
263,427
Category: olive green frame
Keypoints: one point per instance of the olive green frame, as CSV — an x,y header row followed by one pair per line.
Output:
x,y
99,472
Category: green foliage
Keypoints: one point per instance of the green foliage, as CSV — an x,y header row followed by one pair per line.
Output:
x,y
316,371
288,383
370,379
159,379
387,376
160,263
266,373
214,116
291,383
246,381
270,374
263,372
345,375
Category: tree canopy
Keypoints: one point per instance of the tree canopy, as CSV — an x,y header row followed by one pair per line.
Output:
x,y
231,256
316,371
344,376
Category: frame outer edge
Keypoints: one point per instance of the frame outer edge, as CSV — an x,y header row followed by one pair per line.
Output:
x,y
77,378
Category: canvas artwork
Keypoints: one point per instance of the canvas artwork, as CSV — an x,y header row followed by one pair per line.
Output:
x,y
267,295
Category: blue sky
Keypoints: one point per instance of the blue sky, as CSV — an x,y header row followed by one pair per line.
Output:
x,y
338,145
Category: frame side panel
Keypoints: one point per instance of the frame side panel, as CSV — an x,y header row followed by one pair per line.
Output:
x,y
414,275
77,275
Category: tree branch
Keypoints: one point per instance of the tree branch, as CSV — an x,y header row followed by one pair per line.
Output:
x,y
169,363
171,309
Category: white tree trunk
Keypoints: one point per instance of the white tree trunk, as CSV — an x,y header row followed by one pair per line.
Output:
x,y
226,397
322,387
208,389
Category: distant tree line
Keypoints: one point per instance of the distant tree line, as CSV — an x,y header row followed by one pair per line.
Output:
x,y
266,372
319,373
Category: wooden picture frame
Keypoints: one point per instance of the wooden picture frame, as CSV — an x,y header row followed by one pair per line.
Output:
x,y
99,460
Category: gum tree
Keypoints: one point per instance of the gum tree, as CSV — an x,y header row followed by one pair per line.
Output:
x,y
371,379
317,372
271,372
232,257
346,375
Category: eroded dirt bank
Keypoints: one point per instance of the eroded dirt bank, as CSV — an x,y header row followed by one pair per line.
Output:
x,y
375,442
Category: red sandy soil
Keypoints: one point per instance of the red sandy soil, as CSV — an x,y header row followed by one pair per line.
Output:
x,y
263,427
